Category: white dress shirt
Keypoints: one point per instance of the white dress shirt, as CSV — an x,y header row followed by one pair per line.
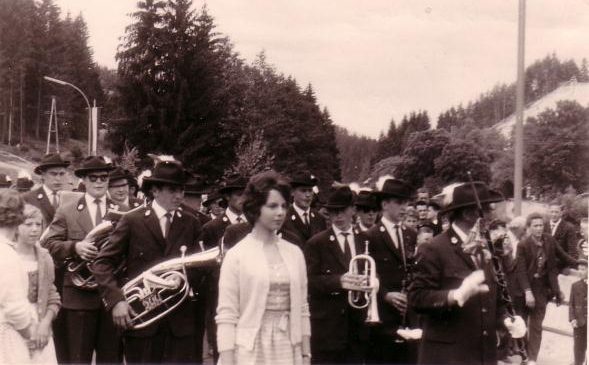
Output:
x,y
390,226
341,240
233,217
92,206
160,213
554,226
301,213
49,194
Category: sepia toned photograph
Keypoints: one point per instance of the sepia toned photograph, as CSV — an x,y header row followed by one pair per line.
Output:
x,y
274,182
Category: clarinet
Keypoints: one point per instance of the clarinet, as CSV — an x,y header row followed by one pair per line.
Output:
x,y
499,274
407,279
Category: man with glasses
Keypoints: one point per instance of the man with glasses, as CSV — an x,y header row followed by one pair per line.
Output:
x,y
118,189
88,326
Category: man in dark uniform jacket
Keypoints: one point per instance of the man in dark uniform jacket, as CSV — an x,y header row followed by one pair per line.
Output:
x,y
88,326
578,314
339,333
211,236
366,210
53,171
145,237
564,234
454,286
193,191
301,219
118,189
537,275
392,246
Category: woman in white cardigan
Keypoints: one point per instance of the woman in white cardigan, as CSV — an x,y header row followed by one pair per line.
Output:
x,y
15,310
263,314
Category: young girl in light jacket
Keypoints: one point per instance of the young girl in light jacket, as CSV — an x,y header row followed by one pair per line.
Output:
x,y
263,314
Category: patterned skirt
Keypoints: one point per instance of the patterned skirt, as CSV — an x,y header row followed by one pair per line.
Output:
x,y
13,348
272,344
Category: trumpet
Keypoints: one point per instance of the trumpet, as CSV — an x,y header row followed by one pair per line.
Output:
x,y
159,290
367,289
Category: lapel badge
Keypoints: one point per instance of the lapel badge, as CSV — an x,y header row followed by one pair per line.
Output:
x,y
80,207
111,206
382,229
179,214
179,208
147,212
40,196
279,234
312,215
293,217
135,204
225,219
355,231
331,238
454,240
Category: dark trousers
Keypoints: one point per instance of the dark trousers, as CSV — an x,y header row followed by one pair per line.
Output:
x,y
580,344
387,349
210,312
88,331
334,357
58,325
163,347
534,318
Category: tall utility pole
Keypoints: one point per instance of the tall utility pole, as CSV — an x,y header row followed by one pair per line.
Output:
x,y
519,111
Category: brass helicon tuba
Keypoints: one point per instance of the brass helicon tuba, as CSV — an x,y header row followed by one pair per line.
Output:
x,y
159,290
364,296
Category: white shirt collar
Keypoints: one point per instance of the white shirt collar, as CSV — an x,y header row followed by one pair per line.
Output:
x,y
460,233
390,225
159,210
233,217
341,240
300,211
338,231
90,200
362,227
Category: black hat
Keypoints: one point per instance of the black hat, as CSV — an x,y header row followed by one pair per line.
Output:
x,y
93,164
118,174
195,185
461,195
166,172
421,202
5,181
234,183
340,198
394,188
426,224
50,160
214,196
366,200
24,184
303,179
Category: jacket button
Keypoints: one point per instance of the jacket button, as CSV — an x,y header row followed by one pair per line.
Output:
x,y
485,333
484,310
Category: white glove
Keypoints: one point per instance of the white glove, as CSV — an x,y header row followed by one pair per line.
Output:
x,y
471,286
410,334
515,326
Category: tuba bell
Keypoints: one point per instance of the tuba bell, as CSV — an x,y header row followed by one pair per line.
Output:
x,y
159,290
364,296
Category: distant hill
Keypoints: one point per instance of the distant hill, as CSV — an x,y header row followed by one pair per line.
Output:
x,y
571,90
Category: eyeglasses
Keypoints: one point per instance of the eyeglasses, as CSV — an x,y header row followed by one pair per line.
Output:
x,y
94,178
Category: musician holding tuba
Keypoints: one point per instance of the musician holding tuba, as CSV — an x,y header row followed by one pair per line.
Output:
x,y
457,288
339,331
143,238
88,326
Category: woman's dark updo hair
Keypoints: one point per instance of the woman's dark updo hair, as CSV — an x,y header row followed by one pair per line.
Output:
x,y
257,190
11,208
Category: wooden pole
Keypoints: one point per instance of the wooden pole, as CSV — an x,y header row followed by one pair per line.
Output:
x,y
520,102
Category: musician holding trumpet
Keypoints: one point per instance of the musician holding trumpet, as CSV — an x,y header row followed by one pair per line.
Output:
x,y
145,237
458,287
339,334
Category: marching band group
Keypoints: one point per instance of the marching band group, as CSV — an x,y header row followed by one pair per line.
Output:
x,y
264,273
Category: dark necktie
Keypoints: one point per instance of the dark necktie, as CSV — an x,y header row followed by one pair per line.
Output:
x,y
400,243
98,217
54,200
347,253
167,224
306,219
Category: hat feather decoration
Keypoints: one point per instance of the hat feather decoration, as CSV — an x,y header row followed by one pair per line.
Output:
x,y
445,197
381,180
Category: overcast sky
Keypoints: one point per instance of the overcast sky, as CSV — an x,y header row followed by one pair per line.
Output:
x,y
370,61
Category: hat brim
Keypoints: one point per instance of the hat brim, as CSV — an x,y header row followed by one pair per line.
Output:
x,y
382,195
297,184
148,181
85,171
230,188
495,198
336,206
39,169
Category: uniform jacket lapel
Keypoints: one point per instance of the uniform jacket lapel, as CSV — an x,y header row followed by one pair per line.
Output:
x,y
336,250
44,202
153,225
84,219
386,237
456,243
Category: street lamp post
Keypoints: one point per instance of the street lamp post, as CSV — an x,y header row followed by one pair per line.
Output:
x,y
60,82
